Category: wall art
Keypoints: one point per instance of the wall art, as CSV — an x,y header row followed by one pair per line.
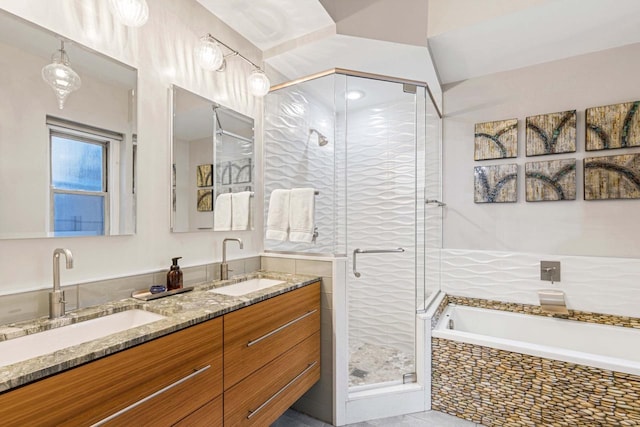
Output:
x,y
495,184
496,140
612,177
205,200
551,133
551,180
613,126
204,176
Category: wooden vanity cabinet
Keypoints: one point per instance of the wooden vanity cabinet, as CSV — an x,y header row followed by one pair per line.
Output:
x,y
271,356
156,383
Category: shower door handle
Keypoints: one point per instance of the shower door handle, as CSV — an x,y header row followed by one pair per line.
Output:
x,y
371,251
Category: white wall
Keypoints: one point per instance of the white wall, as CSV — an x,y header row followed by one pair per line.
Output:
x,y
493,251
162,52
594,228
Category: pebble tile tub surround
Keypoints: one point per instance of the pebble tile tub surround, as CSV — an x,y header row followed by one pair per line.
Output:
x,y
181,311
500,388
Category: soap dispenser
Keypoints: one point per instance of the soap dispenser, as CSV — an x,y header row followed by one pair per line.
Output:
x,y
174,275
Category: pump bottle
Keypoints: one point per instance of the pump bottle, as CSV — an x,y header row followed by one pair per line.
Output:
x,y
174,275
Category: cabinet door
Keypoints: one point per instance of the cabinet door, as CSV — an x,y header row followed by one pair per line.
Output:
x,y
183,368
263,396
255,335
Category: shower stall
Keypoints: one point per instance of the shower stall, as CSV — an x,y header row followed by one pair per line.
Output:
x,y
370,147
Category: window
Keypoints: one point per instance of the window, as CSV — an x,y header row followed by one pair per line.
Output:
x,y
80,201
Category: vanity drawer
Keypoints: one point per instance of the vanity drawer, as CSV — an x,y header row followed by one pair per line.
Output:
x,y
186,365
264,395
210,415
261,332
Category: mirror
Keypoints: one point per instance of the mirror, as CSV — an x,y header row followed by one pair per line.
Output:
x,y
70,171
212,166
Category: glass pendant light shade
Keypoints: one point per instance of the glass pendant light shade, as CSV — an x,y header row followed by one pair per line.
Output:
x,y
60,76
132,13
258,83
208,54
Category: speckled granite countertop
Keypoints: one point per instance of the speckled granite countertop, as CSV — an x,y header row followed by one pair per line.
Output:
x,y
181,311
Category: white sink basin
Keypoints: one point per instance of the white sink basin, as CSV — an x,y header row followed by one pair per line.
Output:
x,y
246,287
34,345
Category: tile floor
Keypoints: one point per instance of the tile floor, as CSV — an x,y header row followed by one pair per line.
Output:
x,y
293,418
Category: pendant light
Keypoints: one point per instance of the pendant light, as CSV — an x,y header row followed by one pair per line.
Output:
x,y
132,13
208,54
60,76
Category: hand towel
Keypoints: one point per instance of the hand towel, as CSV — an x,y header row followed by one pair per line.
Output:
x,y
302,214
222,213
240,210
278,215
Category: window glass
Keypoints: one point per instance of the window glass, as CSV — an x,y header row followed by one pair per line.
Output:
x,y
77,165
78,214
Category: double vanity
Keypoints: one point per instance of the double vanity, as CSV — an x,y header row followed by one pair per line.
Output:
x,y
235,352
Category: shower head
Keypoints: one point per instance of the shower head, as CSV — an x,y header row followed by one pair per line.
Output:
x,y
322,140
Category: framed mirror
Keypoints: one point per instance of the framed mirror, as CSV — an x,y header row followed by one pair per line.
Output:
x,y
212,161
65,169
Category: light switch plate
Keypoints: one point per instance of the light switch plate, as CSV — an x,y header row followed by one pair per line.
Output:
x,y
550,271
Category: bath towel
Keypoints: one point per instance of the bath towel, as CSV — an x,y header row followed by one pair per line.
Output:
x,y
240,210
278,215
222,213
302,215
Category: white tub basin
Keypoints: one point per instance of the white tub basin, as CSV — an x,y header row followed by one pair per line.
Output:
x,y
246,287
41,343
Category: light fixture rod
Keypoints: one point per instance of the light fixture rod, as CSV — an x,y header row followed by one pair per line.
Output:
x,y
234,52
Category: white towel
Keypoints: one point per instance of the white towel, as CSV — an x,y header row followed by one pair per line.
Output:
x,y
302,214
240,210
222,213
278,215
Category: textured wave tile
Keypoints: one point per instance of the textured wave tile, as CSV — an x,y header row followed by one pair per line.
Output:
x,y
594,284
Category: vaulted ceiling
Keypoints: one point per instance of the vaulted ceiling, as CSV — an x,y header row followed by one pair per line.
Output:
x,y
466,38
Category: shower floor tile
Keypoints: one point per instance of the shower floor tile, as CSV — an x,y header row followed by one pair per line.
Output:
x,y
372,364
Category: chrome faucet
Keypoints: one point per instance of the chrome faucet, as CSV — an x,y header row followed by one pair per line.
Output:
x,y
224,267
56,297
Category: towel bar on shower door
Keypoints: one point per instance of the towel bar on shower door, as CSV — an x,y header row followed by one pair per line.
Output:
x,y
371,251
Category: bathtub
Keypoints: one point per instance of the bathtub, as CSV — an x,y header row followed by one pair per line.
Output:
x,y
600,346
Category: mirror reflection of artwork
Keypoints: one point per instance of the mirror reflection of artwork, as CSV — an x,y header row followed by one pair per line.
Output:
x,y
496,140
496,184
204,176
206,138
551,133
552,180
612,177
613,126
205,200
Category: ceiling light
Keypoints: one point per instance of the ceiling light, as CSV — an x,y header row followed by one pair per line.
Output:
x,y
132,13
354,95
209,54
60,76
258,83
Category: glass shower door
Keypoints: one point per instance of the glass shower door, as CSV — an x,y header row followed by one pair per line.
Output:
x,y
381,232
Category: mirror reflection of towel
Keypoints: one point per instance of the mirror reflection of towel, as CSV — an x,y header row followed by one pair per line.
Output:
x,y
278,215
302,215
241,210
222,213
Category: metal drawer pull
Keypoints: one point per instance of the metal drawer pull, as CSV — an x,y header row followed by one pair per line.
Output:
x,y
151,396
286,325
279,392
